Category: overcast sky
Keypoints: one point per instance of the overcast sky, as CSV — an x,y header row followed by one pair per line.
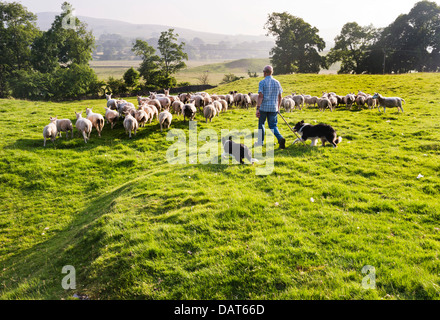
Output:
x,y
235,16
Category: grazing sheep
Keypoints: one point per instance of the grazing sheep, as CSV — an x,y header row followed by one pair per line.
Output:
x,y
349,100
371,103
126,107
254,98
299,100
50,131
130,124
309,100
324,103
229,99
288,104
142,117
111,116
177,107
84,126
224,105
218,107
189,111
246,101
361,100
388,102
111,103
209,112
65,125
165,118
149,111
185,97
96,119
237,98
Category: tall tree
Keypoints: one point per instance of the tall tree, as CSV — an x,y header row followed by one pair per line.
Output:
x,y
172,53
149,67
412,41
351,47
66,42
17,31
297,45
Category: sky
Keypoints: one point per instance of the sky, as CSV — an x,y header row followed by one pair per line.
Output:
x,y
234,17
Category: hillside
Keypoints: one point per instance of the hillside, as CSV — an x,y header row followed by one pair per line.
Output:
x,y
136,226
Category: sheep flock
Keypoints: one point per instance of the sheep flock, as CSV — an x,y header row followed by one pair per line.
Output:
x,y
160,107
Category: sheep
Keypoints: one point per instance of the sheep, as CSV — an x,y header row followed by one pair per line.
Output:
x,y
217,105
165,118
361,100
130,124
237,98
288,104
165,102
126,107
324,103
142,117
199,102
224,105
246,101
189,111
184,97
388,102
83,125
96,119
50,131
349,100
154,112
371,103
111,103
229,99
299,100
254,98
149,111
309,100
64,125
111,116
209,112
177,107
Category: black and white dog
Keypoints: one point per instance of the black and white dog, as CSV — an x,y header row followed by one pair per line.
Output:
x,y
238,151
321,131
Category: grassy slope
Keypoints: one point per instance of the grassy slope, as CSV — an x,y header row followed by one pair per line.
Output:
x,y
136,227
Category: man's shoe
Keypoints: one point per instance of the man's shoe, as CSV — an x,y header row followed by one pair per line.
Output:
x,y
282,143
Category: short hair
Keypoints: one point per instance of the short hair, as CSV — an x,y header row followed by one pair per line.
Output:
x,y
268,69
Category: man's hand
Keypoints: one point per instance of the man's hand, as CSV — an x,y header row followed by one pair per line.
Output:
x,y
258,114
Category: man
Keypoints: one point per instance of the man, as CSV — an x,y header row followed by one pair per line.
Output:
x,y
268,106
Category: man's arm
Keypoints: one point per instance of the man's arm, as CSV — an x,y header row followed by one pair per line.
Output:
x,y
280,98
259,102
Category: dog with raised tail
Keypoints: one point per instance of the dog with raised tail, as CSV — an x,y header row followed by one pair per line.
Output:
x,y
321,131
238,151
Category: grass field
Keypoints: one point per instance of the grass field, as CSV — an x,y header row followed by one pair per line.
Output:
x,y
136,227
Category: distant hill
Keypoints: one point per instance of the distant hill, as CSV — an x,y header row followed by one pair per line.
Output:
x,y
130,30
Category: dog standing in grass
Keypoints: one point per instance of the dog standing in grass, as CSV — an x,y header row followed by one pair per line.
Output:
x,y
238,151
321,131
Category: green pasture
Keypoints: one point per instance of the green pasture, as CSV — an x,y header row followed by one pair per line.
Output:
x,y
137,227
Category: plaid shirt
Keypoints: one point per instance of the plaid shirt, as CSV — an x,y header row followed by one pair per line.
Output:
x,y
270,88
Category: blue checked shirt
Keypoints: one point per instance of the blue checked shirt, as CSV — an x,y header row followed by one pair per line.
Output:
x,y
270,88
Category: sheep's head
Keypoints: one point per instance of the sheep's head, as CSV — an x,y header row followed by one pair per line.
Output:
x,y
53,119
88,110
78,115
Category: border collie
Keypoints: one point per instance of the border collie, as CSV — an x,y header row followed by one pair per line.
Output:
x,y
238,151
321,131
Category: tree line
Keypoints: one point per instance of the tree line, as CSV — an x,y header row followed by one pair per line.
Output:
x,y
54,64
410,43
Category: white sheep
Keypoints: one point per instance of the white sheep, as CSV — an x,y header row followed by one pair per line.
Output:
x,y
177,107
142,117
64,125
209,112
165,118
324,103
130,124
111,116
299,100
83,125
217,105
111,103
50,131
288,104
224,105
388,102
97,120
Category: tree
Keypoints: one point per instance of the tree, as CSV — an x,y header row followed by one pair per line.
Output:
x,y
351,47
17,32
412,41
131,78
149,67
61,46
203,78
297,45
171,52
